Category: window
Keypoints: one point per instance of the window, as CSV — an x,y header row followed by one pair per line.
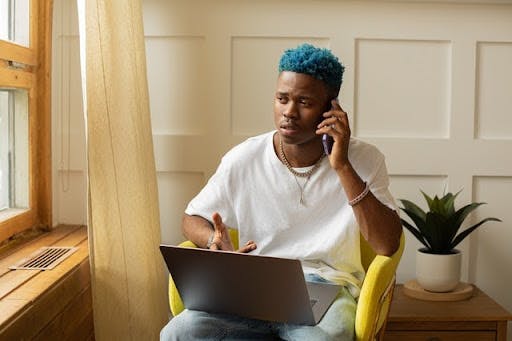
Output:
x,y
14,21
14,149
25,138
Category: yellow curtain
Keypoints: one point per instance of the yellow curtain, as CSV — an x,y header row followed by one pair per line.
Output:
x,y
128,278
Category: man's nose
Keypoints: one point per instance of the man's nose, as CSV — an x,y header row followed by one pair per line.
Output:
x,y
290,110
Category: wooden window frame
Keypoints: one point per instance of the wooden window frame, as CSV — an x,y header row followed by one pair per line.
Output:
x,y
35,78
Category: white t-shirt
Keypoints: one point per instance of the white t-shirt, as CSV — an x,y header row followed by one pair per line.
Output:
x,y
255,193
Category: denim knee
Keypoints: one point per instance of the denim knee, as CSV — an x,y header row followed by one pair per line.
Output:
x,y
191,325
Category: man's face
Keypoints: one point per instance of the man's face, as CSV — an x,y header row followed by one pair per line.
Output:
x,y
299,103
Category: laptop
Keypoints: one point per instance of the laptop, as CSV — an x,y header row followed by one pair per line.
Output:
x,y
253,286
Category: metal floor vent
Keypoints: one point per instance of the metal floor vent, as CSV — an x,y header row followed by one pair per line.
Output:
x,y
45,258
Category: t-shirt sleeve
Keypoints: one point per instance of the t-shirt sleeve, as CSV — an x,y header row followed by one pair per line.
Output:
x,y
215,197
379,185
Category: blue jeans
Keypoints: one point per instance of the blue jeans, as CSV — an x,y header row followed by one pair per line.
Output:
x,y
337,324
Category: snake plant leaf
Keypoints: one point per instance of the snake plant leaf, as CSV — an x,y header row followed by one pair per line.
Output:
x,y
414,212
416,233
436,226
460,237
462,213
444,205
417,215
449,205
436,207
428,199
455,220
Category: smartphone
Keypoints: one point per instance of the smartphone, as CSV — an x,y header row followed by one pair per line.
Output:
x,y
327,140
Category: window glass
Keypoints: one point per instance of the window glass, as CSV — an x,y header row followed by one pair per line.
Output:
x,y
15,21
4,150
14,149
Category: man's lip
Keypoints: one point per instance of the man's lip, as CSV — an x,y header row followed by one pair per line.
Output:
x,y
289,127
289,130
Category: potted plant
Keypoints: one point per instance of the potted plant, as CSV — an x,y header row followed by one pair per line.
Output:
x,y
438,262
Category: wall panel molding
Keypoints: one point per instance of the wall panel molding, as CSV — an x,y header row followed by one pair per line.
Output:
x,y
493,95
490,244
403,88
176,80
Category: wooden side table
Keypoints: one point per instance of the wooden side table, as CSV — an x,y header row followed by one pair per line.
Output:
x,y
478,318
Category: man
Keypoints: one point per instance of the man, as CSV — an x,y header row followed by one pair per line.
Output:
x,y
287,199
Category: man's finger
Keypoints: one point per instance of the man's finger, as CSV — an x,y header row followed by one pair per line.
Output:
x,y
336,105
217,221
248,247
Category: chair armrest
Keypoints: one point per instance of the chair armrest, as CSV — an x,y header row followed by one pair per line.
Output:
x,y
376,292
175,301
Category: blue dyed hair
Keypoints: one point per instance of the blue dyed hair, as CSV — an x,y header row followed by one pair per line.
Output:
x,y
317,62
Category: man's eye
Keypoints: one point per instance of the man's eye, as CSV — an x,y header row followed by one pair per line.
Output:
x,y
281,99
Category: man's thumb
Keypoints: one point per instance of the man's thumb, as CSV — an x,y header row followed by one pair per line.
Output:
x,y
217,220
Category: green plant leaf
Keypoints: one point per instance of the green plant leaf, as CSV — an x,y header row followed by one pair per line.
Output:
x,y
435,232
418,221
455,221
460,237
413,210
463,212
436,205
444,205
427,199
449,203
417,216
415,232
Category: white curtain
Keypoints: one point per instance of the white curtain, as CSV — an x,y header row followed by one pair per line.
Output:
x,y
128,278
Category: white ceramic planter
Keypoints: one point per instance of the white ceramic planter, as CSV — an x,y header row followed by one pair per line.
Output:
x,y
438,273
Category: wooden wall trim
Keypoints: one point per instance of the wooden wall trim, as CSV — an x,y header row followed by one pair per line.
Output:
x,y
44,138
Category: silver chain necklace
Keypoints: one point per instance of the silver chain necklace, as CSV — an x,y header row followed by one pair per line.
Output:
x,y
296,174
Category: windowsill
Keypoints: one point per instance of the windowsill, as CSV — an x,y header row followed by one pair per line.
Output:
x,y
11,212
47,304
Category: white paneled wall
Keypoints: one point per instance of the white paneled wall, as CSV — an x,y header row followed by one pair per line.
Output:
x,y
430,83
175,69
403,88
493,90
491,257
175,190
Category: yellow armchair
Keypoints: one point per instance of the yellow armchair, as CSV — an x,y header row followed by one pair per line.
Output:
x,y
374,300
376,292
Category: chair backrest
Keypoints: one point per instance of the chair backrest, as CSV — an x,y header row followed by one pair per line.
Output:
x,y
376,292
234,237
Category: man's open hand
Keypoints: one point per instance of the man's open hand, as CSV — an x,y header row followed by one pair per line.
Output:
x,y
222,240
